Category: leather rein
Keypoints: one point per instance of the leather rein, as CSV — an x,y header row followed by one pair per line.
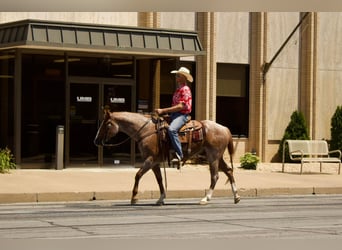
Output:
x,y
131,136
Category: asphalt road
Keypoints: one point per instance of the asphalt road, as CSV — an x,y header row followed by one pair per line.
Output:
x,y
289,217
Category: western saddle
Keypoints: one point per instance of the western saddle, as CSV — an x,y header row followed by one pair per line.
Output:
x,y
191,132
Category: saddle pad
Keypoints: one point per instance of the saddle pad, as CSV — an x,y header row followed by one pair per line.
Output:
x,y
193,128
191,125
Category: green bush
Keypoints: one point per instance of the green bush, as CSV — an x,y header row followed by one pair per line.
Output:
x,y
249,161
295,130
336,130
6,160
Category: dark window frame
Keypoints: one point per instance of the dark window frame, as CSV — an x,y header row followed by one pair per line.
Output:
x,y
233,111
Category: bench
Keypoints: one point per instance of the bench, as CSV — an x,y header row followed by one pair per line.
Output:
x,y
310,151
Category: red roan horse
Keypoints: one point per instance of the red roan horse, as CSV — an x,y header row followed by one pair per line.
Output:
x,y
145,132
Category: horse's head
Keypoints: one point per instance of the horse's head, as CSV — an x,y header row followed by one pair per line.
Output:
x,y
108,129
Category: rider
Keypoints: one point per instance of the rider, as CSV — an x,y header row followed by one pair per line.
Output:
x,y
180,109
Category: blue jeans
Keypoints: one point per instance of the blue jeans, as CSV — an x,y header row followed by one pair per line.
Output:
x,y
177,121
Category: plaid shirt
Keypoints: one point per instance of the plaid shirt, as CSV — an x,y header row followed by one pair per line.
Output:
x,y
183,95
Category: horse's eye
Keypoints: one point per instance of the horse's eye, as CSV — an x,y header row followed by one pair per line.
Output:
x,y
109,125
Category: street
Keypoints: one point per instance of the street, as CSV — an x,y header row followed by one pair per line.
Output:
x,y
282,217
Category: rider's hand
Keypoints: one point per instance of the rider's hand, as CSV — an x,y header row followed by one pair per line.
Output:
x,y
158,111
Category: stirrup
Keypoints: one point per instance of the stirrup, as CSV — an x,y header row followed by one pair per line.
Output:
x,y
177,161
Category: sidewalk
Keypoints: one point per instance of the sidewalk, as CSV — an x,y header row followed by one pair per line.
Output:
x,y
85,184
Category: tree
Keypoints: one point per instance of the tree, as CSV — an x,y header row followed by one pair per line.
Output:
x,y
336,130
295,130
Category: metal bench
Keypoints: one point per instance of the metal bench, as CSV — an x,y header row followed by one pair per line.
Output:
x,y
310,151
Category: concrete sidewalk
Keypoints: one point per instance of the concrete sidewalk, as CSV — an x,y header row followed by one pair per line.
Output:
x,y
85,184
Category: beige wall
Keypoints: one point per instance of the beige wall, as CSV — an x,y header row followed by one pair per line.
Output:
x,y
329,71
107,18
178,20
232,37
282,100
282,78
240,149
283,82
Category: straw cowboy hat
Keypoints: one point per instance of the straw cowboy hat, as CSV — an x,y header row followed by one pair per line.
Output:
x,y
184,71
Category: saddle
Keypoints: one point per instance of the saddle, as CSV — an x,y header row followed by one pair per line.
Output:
x,y
190,132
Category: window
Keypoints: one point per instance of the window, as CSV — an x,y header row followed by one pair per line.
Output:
x,y
43,106
6,100
232,99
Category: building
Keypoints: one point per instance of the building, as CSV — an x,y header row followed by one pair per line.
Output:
x,y
250,75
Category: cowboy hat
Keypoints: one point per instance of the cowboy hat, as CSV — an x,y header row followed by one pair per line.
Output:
x,y
184,71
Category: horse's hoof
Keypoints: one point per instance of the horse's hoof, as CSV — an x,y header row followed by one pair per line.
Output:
x,y
237,199
160,203
134,201
204,202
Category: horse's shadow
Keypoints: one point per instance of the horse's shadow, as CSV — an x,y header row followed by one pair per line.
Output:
x,y
166,204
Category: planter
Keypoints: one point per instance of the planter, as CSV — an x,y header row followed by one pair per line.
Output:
x,y
249,161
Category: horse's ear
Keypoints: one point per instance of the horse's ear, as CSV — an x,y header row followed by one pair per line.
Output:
x,y
106,109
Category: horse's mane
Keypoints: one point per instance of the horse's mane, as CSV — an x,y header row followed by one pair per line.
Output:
x,y
129,116
129,119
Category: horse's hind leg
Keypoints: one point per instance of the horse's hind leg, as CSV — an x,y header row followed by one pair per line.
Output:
x,y
229,172
157,173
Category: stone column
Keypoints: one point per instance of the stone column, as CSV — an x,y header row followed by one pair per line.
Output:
x,y
152,20
257,89
149,19
17,106
206,67
307,71
156,85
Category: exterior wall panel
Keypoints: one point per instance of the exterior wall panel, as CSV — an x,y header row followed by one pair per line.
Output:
x,y
177,20
282,78
233,37
329,71
107,18
282,100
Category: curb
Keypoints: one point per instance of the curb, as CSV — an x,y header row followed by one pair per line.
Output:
x,y
172,194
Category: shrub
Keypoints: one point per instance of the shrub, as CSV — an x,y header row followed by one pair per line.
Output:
x,y
295,130
6,160
336,130
249,161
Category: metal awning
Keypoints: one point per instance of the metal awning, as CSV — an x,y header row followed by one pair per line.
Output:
x,y
99,38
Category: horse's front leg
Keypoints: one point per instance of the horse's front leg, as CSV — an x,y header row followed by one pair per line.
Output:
x,y
213,180
157,173
147,166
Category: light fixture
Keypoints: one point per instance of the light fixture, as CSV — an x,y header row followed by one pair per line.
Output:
x,y
5,57
122,63
6,77
69,60
118,75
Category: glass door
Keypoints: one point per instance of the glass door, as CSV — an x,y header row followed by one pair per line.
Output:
x,y
118,98
85,114
83,121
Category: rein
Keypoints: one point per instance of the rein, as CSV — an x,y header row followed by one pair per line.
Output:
x,y
138,131
129,137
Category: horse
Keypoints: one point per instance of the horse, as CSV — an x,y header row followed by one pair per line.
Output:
x,y
142,129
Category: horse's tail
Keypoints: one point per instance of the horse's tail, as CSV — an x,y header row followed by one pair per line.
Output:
x,y
231,151
230,147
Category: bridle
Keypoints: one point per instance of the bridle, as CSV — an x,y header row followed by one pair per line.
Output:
x,y
129,137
